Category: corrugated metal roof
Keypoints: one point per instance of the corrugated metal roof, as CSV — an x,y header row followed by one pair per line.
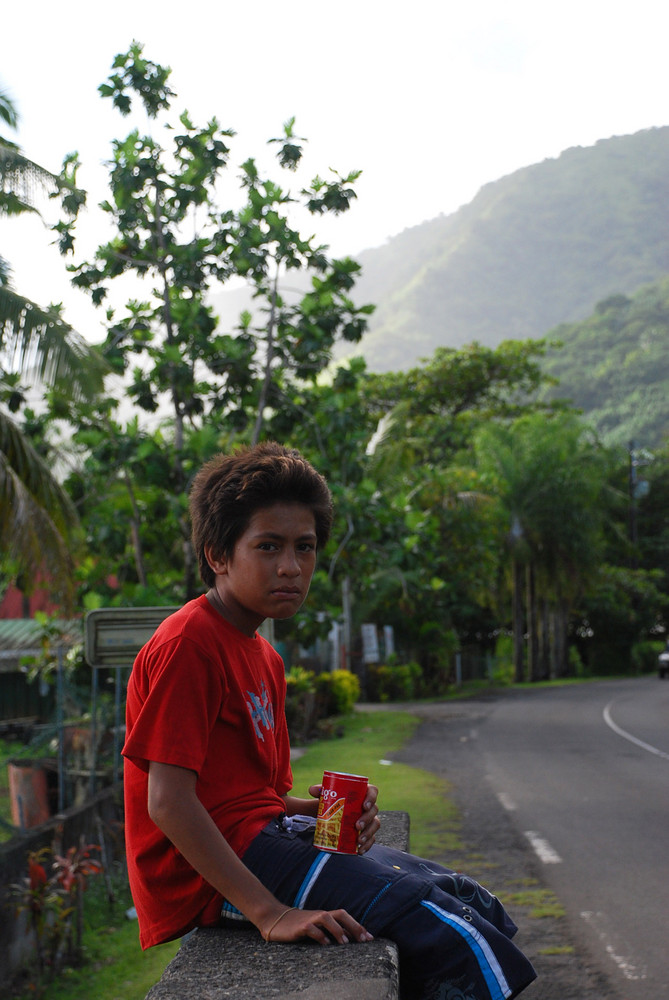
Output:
x,y
21,637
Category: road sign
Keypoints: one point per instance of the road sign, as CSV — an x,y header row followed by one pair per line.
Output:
x,y
114,636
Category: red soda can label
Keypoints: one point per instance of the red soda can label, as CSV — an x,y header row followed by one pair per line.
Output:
x,y
339,808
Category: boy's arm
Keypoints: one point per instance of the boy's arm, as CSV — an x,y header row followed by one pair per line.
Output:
x,y
303,807
175,808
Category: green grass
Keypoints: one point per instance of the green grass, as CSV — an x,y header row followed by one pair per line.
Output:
x,y
369,739
115,967
558,949
540,902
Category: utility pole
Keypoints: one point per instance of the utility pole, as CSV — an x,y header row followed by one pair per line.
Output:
x,y
347,630
632,503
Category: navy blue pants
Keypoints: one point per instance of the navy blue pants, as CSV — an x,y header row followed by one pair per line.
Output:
x,y
453,936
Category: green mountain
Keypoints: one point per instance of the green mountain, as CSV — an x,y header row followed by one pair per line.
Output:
x,y
569,248
615,367
537,248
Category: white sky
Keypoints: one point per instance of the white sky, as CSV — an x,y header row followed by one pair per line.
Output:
x,y
430,98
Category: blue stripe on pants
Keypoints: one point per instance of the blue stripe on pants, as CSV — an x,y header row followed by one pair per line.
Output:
x,y
310,879
490,968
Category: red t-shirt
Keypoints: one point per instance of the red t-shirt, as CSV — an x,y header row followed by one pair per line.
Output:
x,y
203,696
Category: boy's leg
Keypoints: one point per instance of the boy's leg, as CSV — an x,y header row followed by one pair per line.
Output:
x,y
450,931
460,887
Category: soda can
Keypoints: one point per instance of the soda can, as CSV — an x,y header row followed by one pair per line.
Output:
x,y
339,808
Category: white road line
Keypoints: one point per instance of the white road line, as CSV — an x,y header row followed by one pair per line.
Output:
x,y
628,970
543,849
506,801
628,736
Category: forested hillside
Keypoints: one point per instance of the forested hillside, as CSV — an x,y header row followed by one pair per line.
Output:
x,y
537,248
615,366
557,249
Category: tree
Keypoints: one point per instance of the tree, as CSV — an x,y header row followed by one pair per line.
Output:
x,y
296,336
437,405
331,423
625,608
179,368
36,515
415,538
427,419
548,475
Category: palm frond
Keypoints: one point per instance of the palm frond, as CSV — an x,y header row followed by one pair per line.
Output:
x,y
393,450
5,272
35,513
21,180
472,498
8,112
38,341
37,477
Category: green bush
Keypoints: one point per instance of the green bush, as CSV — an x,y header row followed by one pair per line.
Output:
x,y
644,656
312,697
299,680
576,667
338,691
503,672
301,710
395,681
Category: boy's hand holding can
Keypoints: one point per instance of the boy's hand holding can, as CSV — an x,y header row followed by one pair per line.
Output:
x,y
347,818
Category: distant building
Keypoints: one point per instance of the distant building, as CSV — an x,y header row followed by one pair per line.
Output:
x,y
20,637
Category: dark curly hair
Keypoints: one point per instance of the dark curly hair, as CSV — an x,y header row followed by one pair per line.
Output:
x,y
229,489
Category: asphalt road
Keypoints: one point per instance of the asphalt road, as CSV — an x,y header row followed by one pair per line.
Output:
x,y
579,776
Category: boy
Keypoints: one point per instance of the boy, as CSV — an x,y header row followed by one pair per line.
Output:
x,y
212,829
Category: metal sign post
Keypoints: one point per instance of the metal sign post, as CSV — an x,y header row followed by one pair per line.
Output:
x,y
112,639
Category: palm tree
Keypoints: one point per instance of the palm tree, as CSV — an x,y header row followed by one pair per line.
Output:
x,y
36,515
548,478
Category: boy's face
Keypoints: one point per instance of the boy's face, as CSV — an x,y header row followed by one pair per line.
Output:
x,y
271,567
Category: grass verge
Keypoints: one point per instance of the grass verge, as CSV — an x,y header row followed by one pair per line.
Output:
x,y
367,747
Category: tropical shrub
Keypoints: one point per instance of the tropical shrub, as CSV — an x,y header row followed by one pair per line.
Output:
x,y
312,697
300,703
338,692
395,682
644,656
503,669
54,906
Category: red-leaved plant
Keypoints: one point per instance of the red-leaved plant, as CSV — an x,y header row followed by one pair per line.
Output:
x,y
51,900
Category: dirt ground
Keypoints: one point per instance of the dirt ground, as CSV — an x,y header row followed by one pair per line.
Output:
x,y
497,855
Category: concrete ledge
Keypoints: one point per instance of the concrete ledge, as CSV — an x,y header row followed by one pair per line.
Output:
x,y
215,964
218,964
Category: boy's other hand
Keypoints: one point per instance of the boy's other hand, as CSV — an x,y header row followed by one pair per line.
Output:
x,y
323,926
